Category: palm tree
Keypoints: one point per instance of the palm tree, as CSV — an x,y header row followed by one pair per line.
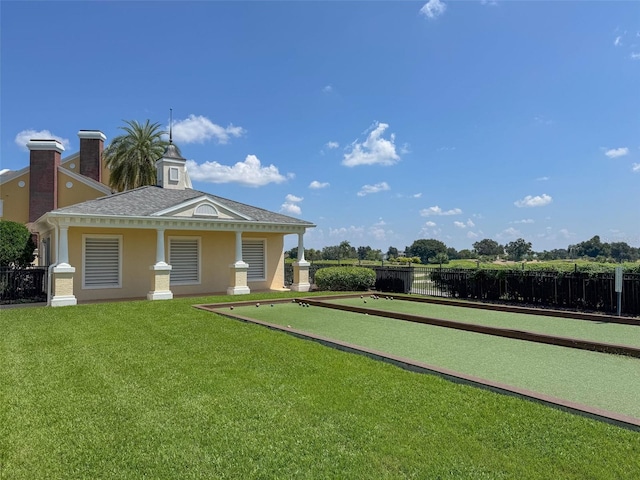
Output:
x,y
131,157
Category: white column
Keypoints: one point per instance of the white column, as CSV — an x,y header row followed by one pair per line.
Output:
x,y
301,247
63,247
301,269
239,261
160,247
62,278
160,272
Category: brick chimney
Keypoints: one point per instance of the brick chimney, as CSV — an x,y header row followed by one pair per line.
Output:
x,y
91,146
44,159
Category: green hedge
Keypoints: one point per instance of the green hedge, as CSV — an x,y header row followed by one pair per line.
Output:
x,y
345,278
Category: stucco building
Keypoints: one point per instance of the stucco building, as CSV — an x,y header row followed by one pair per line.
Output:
x,y
152,242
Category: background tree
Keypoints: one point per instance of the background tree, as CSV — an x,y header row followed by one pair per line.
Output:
x,y
16,245
363,252
591,248
488,248
621,252
425,249
346,251
452,254
132,157
392,253
518,249
441,258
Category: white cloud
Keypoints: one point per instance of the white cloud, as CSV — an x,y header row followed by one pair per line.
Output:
x,y
526,220
417,195
635,56
635,168
542,120
433,9
469,224
378,187
510,233
332,145
436,210
290,204
316,185
199,129
375,150
618,41
23,137
542,179
250,173
472,235
327,89
491,3
291,208
617,152
293,198
430,224
343,232
531,201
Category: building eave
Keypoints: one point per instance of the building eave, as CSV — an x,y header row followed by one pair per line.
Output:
x,y
170,223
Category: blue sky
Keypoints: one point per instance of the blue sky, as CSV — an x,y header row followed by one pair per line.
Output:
x,y
381,122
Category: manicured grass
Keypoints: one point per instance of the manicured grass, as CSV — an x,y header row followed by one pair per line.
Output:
x,y
548,325
161,390
609,382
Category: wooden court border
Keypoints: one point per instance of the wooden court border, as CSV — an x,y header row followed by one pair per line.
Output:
x,y
614,418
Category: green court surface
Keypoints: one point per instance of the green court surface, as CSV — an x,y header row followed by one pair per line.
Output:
x,y
605,381
616,333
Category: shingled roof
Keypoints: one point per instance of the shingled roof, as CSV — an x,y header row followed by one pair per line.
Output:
x,y
146,201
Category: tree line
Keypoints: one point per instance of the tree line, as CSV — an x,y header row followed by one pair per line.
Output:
x,y
435,251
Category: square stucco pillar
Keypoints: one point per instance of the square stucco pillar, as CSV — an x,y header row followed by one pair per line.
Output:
x,y
238,279
160,277
62,286
301,276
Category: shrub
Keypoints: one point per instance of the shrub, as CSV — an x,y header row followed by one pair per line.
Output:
x,y
16,246
345,278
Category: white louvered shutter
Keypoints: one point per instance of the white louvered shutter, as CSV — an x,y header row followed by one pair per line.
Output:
x,y
253,254
183,257
101,262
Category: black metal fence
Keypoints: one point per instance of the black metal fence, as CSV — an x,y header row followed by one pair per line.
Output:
x,y
575,290
550,289
23,285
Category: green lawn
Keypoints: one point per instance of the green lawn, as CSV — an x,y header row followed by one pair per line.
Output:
x,y
601,380
564,327
161,390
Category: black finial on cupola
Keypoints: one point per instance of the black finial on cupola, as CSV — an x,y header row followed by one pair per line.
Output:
x,y
170,126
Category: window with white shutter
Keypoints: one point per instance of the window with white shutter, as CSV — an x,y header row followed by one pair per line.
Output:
x,y
102,261
253,254
184,258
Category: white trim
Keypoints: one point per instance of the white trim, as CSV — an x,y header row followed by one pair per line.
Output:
x,y
199,259
84,260
46,145
10,175
194,201
92,135
72,157
63,300
214,214
173,223
90,182
263,267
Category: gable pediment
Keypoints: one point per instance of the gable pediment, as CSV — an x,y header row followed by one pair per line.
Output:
x,y
202,208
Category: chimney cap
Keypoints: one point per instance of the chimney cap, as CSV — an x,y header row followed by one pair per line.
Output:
x,y
92,134
45,144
